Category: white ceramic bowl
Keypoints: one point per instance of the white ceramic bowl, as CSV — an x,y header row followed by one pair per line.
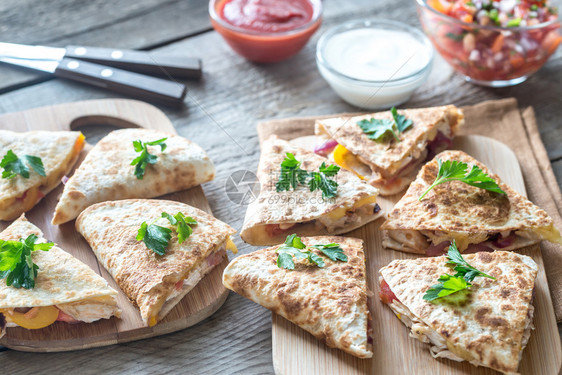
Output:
x,y
393,90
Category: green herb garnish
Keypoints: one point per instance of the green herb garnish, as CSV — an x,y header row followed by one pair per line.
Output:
x,y
293,247
13,165
292,175
460,281
157,238
16,265
145,157
378,129
320,180
332,251
456,171
182,224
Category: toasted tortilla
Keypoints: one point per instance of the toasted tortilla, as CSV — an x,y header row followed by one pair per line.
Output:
x,y
465,213
299,205
61,278
107,173
58,152
387,159
328,302
490,329
146,278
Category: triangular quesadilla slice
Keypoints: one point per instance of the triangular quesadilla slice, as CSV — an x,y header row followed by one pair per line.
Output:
x,y
387,163
154,282
489,325
107,172
65,289
275,214
330,301
32,165
478,219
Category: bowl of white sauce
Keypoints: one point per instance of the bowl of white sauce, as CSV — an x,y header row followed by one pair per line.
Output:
x,y
374,64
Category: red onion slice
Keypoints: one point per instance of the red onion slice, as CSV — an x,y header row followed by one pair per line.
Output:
x,y
64,180
325,148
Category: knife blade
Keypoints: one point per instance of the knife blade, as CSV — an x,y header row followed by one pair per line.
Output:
x,y
136,61
107,77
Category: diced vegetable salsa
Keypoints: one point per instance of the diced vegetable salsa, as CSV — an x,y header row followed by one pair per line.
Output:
x,y
496,40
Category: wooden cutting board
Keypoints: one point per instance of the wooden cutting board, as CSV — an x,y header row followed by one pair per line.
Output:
x,y
200,303
297,352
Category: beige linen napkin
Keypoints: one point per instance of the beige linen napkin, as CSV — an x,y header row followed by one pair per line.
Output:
x,y
501,120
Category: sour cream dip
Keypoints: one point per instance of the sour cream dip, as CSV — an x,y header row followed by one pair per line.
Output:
x,y
373,63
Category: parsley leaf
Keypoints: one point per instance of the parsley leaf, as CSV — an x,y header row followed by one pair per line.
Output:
x,y
378,129
320,181
16,265
291,174
332,251
13,165
460,281
447,285
456,171
463,269
155,237
182,224
402,123
146,157
293,247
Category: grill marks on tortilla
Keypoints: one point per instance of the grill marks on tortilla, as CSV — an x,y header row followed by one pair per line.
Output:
x,y
490,327
329,302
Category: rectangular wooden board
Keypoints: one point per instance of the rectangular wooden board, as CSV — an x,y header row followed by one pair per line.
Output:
x,y
200,303
297,352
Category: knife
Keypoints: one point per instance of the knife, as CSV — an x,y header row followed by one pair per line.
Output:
x,y
84,64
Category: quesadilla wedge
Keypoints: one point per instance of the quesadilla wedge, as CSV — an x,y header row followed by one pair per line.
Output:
x,y
330,301
477,219
275,214
57,151
107,172
387,163
155,283
490,327
65,290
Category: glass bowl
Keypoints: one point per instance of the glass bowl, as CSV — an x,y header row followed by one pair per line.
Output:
x,y
261,46
390,87
490,55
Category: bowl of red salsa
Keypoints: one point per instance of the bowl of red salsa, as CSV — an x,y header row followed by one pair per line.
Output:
x,y
493,43
266,31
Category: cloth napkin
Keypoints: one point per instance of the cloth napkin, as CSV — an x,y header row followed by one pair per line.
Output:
x,y
505,122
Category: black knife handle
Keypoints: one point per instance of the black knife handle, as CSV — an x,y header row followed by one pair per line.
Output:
x,y
139,61
122,81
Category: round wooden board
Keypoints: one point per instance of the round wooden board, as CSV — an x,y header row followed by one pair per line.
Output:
x,y
206,298
295,351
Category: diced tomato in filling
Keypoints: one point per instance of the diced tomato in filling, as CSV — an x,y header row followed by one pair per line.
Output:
x,y
179,285
273,230
22,198
64,317
386,295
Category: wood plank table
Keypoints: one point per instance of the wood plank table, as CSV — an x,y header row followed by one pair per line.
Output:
x,y
220,114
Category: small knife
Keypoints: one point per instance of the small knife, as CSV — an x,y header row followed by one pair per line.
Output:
x,y
97,66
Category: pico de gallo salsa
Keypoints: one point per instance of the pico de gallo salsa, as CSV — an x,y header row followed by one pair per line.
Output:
x,y
496,40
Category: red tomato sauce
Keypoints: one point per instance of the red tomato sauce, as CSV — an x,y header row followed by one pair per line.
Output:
x,y
267,15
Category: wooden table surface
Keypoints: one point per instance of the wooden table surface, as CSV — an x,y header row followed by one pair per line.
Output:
x,y
221,114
